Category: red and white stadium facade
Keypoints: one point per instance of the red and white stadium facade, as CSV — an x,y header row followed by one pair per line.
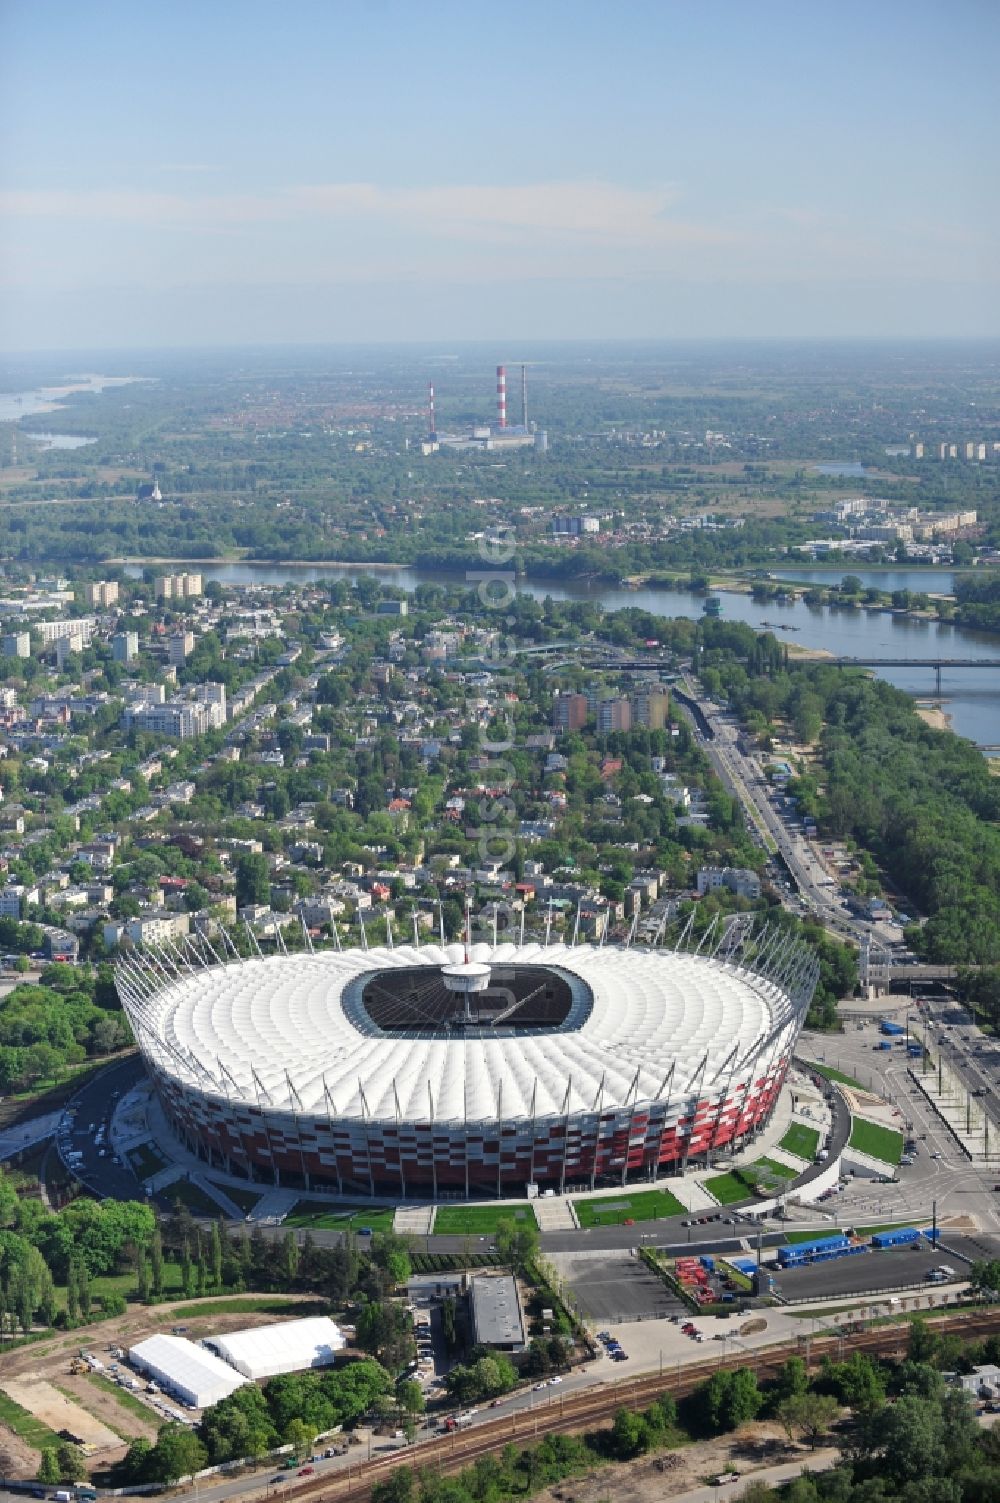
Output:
x,y
277,1067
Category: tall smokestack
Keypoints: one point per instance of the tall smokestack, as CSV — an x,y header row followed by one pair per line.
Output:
x,y
524,397
501,397
432,430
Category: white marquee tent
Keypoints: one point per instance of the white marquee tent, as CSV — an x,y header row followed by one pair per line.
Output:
x,y
285,1348
188,1371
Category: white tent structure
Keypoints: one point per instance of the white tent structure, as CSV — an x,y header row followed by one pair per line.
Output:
x,y
186,1370
285,1348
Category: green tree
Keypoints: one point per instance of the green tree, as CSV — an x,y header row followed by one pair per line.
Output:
x,y
69,1459
811,1414
299,1435
178,1453
517,1242
386,1331
48,1467
629,1434
156,1263
253,880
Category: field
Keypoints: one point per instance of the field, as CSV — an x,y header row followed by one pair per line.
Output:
x,y
644,1205
30,1429
127,1400
192,1196
801,1140
250,1305
769,1168
829,1073
459,1221
341,1218
880,1142
727,1188
146,1161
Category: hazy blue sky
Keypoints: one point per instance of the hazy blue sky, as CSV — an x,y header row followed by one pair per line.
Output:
x,y
237,171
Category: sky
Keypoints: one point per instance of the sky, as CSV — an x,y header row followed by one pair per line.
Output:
x,y
236,172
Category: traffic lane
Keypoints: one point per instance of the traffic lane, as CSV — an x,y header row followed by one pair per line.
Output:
x,y
95,1103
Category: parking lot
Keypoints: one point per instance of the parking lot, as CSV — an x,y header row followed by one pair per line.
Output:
x,y
614,1286
894,1268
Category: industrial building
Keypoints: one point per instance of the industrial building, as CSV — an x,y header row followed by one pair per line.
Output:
x,y
495,1307
491,436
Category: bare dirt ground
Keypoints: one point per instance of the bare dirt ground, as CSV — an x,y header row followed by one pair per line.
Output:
x,y
16,1458
59,1413
107,1408
30,1372
652,1479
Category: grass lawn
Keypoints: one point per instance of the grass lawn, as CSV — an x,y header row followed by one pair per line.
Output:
x,y
829,1073
801,1140
340,1218
125,1399
770,1166
727,1188
192,1196
880,1142
31,1430
245,1199
813,1236
456,1221
146,1161
614,1210
242,1304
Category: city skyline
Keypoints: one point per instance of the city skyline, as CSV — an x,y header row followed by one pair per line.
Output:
x,y
237,175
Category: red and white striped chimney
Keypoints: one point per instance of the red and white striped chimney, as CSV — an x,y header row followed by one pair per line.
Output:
x,y
430,408
501,396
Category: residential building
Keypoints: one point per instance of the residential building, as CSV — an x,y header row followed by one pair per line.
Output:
x,y
738,879
17,645
614,714
125,646
179,647
66,626
569,712
102,592
651,706
178,586
67,646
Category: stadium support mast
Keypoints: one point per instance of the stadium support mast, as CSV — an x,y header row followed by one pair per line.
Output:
x,y
469,976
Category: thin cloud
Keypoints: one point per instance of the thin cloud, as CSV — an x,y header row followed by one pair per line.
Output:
x,y
599,212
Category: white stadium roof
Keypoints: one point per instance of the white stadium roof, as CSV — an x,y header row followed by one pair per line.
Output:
x,y
284,1348
275,1031
190,1372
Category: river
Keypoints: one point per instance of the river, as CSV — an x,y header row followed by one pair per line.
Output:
x,y
15,405
970,697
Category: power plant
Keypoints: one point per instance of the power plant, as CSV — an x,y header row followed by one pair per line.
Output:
x,y
497,435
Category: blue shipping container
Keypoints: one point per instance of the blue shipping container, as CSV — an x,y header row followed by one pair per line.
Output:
x,y
900,1238
892,1028
707,1262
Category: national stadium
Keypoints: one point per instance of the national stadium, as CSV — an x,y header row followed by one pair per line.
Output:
x,y
453,1071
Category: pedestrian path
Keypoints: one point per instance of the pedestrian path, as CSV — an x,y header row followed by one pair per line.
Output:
x,y
413,1221
274,1206
555,1213
214,1192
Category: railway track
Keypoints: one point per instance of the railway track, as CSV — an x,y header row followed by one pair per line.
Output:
x,y
450,1453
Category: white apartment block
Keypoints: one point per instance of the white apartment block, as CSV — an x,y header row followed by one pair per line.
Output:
x,y
103,592
79,626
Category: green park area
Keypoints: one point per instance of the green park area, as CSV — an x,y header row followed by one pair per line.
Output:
x,y
801,1140
616,1210
463,1221
767,1169
341,1218
829,1073
880,1142
727,1189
